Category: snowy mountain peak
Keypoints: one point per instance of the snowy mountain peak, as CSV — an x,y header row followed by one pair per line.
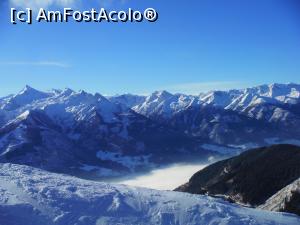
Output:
x,y
274,90
82,92
27,90
164,104
26,96
217,98
159,96
127,100
56,91
67,91
101,97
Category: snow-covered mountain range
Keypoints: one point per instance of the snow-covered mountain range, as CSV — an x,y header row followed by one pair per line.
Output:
x,y
33,197
92,135
257,115
87,135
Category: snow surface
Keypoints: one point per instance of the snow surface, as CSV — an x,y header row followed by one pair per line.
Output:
x,y
164,103
278,201
34,197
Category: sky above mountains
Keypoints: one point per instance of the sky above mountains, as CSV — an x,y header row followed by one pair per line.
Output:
x,y
194,46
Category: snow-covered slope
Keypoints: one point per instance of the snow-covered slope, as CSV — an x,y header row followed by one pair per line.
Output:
x,y
24,97
34,197
164,104
128,100
263,94
287,199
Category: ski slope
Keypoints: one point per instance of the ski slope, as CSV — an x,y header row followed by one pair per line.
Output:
x,y
30,196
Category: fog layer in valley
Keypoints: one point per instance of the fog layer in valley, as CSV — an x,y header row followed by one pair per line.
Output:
x,y
167,178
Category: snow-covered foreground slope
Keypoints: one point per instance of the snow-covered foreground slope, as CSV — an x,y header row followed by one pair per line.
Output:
x,y
34,197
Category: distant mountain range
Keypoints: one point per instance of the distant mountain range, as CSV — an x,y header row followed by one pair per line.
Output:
x,y
92,135
259,115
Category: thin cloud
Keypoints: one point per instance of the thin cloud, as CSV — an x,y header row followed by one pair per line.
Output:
x,y
39,63
200,87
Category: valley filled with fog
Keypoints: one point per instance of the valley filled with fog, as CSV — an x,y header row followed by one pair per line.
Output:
x,y
167,178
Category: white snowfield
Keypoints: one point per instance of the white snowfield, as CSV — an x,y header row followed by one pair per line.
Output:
x,y
31,196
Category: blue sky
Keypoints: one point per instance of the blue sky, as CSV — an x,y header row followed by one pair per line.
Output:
x,y
195,46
